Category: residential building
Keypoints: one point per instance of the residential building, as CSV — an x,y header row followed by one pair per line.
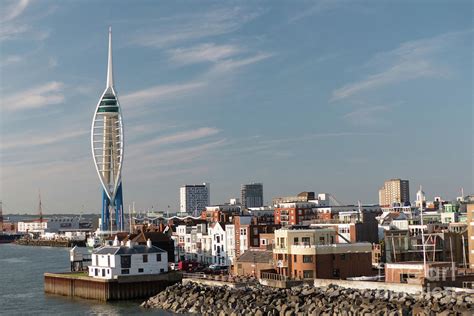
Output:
x,y
221,213
252,262
301,197
309,253
194,198
251,195
294,213
110,262
219,243
394,191
470,229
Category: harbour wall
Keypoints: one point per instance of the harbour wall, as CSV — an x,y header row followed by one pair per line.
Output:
x,y
122,288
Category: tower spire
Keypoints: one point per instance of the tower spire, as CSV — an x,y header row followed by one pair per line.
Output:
x,y
110,75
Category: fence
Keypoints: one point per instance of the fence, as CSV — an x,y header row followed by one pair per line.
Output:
x,y
273,276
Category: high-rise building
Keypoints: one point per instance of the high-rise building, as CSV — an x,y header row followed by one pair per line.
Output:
x,y
194,198
470,229
107,149
251,195
394,191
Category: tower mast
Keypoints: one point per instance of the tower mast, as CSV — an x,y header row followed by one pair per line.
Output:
x,y
40,207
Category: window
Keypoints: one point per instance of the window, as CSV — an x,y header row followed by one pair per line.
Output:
x,y
307,259
108,271
103,272
255,231
295,258
295,241
308,274
125,271
96,272
145,258
300,212
321,240
305,240
108,260
140,270
125,261
343,256
158,257
162,270
264,241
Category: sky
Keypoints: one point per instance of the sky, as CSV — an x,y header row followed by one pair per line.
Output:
x,y
325,96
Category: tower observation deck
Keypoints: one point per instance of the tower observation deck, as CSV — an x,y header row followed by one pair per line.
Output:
x,y
107,150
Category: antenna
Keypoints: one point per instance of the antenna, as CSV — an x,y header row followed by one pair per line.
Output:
x,y
130,219
110,75
1,217
40,207
422,233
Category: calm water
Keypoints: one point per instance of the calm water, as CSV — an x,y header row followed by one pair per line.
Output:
x,y
21,286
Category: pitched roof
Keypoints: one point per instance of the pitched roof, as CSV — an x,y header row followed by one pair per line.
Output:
x,y
256,256
124,250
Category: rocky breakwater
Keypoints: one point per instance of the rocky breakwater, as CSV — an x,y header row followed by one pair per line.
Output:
x,y
305,300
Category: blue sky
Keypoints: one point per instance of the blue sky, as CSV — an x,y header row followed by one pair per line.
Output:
x,y
328,96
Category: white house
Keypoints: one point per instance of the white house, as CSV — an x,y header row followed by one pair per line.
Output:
x,y
230,242
219,253
109,262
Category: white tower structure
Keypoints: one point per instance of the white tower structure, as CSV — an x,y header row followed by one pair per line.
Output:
x,y
107,149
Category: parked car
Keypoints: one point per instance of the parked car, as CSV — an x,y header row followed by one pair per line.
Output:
x,y
217,269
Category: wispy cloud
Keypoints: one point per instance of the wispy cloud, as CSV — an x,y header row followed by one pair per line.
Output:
x,y
37,97
158,93
10,60
208,52
30,141
368,116
232,64
317,7
411,60
13,10
179,137
189,27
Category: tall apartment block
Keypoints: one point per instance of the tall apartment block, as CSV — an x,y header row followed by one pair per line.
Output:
x,y
394,191
194,198
470,230
251,195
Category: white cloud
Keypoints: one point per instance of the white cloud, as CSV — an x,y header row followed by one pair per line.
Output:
x,y
203,53
411,60
318,7
44,95
179,137
368,116
10,60
158,93
13,10
29,140
195,26
232,64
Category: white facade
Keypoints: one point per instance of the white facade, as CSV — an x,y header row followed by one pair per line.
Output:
x,y
219,245
33,226
230,242
194,197
109,262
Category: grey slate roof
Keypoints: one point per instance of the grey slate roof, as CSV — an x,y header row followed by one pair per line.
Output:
x,y
124,250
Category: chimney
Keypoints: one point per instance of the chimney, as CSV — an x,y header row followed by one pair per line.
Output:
x,y
116,241
148,243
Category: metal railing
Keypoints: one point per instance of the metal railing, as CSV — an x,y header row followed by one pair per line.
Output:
x,y
273,276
